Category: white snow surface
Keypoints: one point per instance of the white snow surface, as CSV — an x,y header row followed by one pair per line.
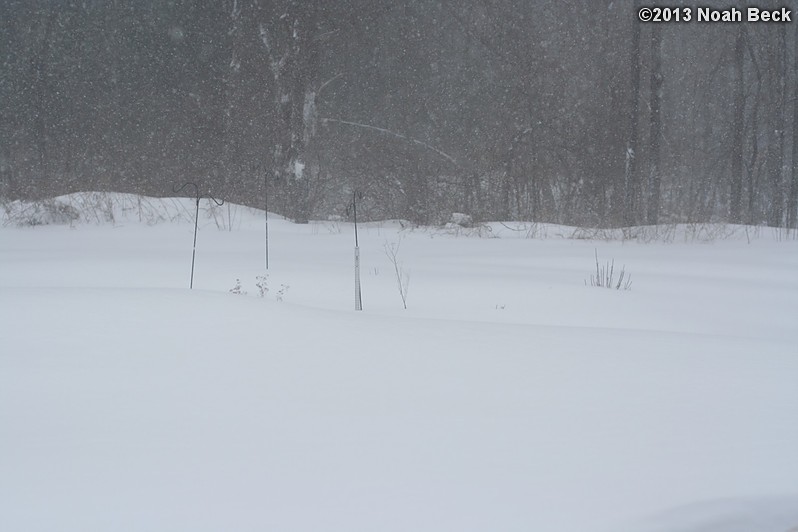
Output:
x,y
509,396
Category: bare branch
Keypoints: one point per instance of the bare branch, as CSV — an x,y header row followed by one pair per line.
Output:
x,y
321,87
402,277
397,135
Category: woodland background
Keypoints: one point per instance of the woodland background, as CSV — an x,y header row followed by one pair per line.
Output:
x,y
570,112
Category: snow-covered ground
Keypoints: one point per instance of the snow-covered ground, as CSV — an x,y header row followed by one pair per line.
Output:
x,y
509,396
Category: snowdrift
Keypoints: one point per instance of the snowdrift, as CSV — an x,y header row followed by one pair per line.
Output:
x,y
510,395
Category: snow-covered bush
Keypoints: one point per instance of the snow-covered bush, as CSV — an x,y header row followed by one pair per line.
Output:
x,y
237,289
463,220
262,282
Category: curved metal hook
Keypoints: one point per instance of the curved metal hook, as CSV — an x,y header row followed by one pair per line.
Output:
x,y
357,195
197,193
189,184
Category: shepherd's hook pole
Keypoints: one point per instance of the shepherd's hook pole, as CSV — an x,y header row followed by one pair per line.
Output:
x,y
358,296
194,249
198,196
266,209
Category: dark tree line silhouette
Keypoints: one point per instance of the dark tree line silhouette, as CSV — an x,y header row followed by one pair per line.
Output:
x,y
570,112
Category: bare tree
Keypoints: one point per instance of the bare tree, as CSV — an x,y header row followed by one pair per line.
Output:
x,y
293,41
738,128
792,201
402,276
777,61
655,123
632,177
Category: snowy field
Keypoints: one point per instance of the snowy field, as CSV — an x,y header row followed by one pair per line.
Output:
x,y
510,395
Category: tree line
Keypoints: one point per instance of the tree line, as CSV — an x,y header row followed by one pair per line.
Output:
x,y
569,112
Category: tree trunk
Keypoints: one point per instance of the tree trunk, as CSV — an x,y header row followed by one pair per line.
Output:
x,y
632,178
792,202
736,193
39,64
655,123
777,67
752,217
294,52
304,116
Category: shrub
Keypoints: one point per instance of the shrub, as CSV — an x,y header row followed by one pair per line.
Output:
x,y
605,276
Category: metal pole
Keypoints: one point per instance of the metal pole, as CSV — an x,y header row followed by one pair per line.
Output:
x,y
194,250
266,209
199,195
354,210
358,296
